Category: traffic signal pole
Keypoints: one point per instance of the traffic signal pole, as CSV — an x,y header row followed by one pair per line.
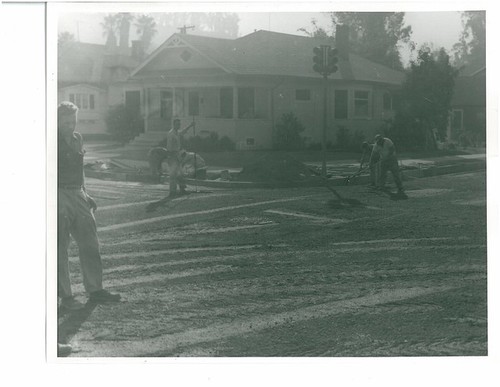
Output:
x,y
325,124
325,62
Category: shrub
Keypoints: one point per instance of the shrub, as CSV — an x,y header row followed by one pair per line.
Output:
x,y
286,135
123,124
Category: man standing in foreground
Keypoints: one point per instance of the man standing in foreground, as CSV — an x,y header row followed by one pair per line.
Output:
x,y
173,157
388,162
75,216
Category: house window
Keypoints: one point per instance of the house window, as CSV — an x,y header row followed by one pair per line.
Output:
x,y
341,104
302,95
361,104
83,101
226,102
194,103
246,102
387,101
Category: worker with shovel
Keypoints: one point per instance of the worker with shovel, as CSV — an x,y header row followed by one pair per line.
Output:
x,y
373,159
388,162
173,157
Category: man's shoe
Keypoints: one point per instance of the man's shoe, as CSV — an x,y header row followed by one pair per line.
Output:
x,y
63,350
70,304
103,296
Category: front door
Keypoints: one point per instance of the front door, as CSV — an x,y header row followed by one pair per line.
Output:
x,y
133,106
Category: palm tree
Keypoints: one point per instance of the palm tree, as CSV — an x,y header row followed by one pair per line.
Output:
x,y
109,27
146,29
65,40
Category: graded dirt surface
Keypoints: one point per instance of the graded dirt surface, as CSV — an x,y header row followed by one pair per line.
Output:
x,y
279,272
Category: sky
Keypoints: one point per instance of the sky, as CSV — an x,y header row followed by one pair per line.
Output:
x,y
86,26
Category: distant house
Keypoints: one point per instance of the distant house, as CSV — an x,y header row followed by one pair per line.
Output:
x,y
240,88
468,114
93,76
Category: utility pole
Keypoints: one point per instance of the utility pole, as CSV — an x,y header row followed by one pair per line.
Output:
x,y
325,124
325,63
184,29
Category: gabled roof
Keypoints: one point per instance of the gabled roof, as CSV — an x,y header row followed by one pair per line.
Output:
x,y
272,53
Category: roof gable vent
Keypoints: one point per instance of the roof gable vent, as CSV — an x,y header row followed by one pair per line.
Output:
x,y
186,55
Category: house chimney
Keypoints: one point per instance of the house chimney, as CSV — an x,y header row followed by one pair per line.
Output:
x,y
111,41
124,30
137,49
342,41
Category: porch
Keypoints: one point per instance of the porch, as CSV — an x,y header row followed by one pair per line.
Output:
x,y
241,113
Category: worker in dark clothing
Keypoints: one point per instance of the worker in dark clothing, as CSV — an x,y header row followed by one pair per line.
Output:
x,y
373,162
173,148
388,162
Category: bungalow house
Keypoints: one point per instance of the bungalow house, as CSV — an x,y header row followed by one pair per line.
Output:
x,y
468,113
92,77
241,87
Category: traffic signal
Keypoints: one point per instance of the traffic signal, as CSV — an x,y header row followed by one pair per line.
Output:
x,y
332,60
325,60
319,59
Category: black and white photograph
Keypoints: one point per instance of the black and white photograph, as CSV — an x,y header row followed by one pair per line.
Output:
x,y
294,183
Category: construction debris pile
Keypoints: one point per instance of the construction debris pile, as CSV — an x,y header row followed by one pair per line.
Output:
x,y
276,168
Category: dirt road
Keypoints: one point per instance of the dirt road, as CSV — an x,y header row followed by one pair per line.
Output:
x,y
282,273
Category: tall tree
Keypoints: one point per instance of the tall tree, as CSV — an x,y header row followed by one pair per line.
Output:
x,y
146,29
317,31
65,40
425,99
471,48
377,36
218,24
222,24
109,29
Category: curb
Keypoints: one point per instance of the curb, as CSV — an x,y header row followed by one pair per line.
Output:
x,y
314,182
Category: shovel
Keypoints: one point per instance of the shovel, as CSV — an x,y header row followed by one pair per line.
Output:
x,y
349,178
340,202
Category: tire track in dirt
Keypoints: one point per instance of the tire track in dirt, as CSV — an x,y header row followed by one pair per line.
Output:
x,y
153,237
170,342
452,347
157,219
152,278
144,203
143,254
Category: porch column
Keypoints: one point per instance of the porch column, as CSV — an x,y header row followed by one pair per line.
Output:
x,y
173,104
